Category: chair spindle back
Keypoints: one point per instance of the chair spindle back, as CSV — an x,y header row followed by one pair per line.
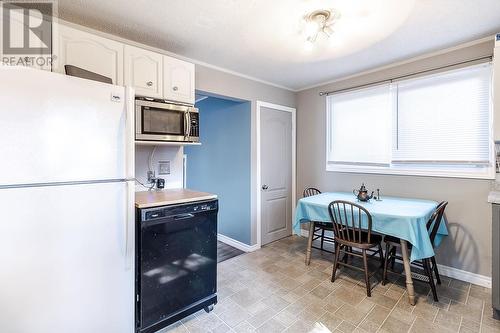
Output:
x,y
435,220
347,218
310,191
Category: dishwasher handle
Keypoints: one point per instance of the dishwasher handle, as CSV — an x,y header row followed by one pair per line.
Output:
x,y
166,219
183,216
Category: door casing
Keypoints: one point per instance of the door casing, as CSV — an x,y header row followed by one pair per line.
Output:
x,y
260,105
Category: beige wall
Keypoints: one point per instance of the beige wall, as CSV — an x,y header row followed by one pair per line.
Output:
x,y
468,246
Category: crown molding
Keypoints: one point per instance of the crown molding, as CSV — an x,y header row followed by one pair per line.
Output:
x,y
402,62
255,79
171,54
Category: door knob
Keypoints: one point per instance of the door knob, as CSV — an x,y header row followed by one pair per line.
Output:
x,y
265,187
175,88
149,83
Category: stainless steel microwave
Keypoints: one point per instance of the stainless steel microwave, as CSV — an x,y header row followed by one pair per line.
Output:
x,y
156,120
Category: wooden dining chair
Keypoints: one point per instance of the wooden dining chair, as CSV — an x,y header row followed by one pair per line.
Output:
x,y
318,228
428,264
350,233
310,191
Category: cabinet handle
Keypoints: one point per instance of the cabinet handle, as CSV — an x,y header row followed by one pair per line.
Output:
x,y
175,88
149,83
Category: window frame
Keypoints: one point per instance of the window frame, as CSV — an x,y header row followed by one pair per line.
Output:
x,y
420,169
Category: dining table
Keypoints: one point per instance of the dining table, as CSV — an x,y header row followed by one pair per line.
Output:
x,y
405,218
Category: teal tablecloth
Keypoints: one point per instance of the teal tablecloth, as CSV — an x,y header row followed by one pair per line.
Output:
x,y
399,217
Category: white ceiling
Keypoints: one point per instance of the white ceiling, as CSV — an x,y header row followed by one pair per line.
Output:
x,y
263,39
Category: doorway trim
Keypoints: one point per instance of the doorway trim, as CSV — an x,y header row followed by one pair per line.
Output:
x,y
259,106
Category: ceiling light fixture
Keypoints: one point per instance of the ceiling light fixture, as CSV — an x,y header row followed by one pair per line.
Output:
x,y
319,22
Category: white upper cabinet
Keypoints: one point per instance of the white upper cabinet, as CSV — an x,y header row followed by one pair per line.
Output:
x,y
151,74
143,71
178,80
90,52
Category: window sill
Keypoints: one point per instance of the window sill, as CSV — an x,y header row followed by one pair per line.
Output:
x,y
485,173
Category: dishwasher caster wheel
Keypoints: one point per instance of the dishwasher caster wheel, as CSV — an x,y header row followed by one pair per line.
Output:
x,y
209,308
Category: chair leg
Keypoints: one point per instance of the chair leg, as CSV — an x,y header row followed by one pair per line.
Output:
x,y
428,271
393,257
335,261
435,268
381,255
386,262
367,276
322,237
346,254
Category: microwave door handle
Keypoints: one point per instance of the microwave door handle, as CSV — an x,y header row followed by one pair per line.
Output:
x,y
189,125
186,124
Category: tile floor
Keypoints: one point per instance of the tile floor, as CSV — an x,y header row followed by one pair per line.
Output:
x,y
271,290
225,252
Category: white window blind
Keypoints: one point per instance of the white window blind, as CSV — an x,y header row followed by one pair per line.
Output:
x,y
359,127
444,118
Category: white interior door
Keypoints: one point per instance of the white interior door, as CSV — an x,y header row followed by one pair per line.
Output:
x,y
276,147
67,259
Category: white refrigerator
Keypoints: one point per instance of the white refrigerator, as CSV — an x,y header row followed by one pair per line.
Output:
x,y
66,204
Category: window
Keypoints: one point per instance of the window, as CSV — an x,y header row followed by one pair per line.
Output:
x,y
436,125
360,123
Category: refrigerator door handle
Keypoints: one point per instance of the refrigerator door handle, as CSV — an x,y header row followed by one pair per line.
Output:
x,y
129,133
129,224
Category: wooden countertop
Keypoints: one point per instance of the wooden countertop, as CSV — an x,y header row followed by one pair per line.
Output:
x,y
148,199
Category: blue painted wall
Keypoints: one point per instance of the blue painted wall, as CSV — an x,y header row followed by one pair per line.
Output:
x,y
221,165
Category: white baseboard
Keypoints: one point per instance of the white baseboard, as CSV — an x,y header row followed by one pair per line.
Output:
x,y
480,280
455,273
237,244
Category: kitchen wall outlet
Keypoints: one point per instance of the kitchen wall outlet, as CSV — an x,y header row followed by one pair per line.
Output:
x,y
164,167
151,177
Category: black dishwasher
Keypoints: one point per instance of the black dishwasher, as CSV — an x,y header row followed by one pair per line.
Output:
x,y
176,263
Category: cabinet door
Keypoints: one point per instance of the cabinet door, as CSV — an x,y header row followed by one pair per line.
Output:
x,y
179,80
90,52
143,71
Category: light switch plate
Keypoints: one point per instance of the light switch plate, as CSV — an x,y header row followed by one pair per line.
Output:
x,y
164,167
